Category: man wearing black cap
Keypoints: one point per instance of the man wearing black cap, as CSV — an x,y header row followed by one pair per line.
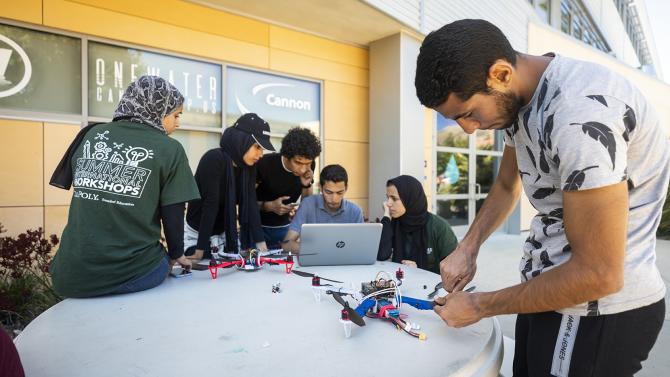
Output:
x,y
282,179
226,178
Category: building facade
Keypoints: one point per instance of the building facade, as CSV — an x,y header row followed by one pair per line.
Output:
x,y
343,69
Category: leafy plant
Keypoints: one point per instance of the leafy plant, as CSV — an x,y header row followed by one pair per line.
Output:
x,y
25,284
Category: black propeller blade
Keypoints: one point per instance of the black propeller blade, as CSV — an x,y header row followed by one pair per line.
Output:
x,y
310,275
283,254
353,314
338,298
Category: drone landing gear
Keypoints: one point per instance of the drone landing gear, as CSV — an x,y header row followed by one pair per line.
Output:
x,y
346,323
214,265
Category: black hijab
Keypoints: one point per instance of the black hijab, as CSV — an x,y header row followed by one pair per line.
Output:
x,y
234,144
412,222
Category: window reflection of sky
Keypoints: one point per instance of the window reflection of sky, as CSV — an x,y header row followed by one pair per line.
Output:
x,y
443,122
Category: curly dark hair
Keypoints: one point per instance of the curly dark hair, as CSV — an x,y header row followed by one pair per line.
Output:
x,y
456,59
334,173
300,142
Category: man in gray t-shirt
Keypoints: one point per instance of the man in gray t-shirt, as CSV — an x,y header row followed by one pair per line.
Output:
x,y
329,207
593,159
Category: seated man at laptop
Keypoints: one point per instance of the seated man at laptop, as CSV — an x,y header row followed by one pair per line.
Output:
x,y
327,208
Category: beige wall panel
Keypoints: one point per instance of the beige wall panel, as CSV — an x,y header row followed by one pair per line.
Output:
x,y
429,183
429,150
21,169
132,29
354,158
16,220
429,127
346,112
57,137
190,16
363,203
55,219
297,64
321,48
23,10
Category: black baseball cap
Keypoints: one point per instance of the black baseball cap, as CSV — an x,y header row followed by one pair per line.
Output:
x,y
257,127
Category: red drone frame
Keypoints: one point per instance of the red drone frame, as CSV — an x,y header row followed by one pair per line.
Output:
x,y
253,262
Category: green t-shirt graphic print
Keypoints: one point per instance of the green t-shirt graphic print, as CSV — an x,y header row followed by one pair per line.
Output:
x,y
123,173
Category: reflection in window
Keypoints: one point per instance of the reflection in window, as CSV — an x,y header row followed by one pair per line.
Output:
x,y
450,134
54,81
542,9
452,173
565,17
487,170
284,102
576,21
454,211
631,20
111,68
489,140
196,143
576,29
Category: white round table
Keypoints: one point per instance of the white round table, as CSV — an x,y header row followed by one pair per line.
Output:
x,y
236,326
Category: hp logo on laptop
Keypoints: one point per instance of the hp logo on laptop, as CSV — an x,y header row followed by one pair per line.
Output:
x,y
340,244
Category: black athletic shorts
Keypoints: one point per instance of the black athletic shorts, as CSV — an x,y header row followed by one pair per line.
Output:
x,y
554,344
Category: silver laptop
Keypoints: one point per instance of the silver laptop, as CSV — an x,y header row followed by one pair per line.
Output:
x,y
339,244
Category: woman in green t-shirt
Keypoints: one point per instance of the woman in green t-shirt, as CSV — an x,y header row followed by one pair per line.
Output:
x,y
412,235
128,177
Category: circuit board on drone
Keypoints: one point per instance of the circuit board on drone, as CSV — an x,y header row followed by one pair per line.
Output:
x,y
367,288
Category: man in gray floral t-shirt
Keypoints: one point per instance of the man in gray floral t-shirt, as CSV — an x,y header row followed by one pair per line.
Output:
x,y
593,159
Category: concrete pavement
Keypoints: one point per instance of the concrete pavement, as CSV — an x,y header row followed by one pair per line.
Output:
x,y
497,267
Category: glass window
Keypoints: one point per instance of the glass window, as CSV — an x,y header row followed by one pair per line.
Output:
x,y
487,170
542,9
112,68
489,140
196,143
565,18
284,102
575,21
452,173
454,211
39,71
630,18
450,134
576,29
586,37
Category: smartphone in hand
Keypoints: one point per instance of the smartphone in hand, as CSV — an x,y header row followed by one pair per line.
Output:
x,y
177,274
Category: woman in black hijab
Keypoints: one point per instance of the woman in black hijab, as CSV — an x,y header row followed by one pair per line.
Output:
x,y
412,235
226,178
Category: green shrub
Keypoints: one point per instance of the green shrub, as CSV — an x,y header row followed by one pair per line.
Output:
x,y
25,284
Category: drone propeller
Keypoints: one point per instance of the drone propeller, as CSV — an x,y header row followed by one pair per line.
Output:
x,y
353,314
338,298
310,275
279,255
